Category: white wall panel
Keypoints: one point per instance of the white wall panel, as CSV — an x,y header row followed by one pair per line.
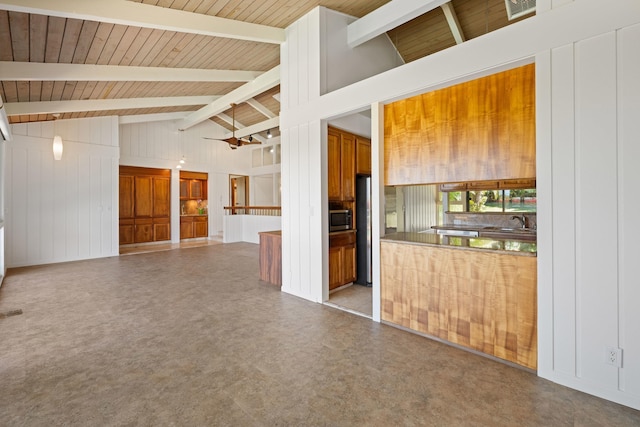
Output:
x,y
629,206
343,65
564,220
62,210
596,203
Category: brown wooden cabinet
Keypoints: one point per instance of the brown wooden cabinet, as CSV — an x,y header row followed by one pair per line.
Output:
x,y
184,189
194,226
505,184
145,205
363,156
492,309
193,185
342,258
186,227
341,164
200,226
481,130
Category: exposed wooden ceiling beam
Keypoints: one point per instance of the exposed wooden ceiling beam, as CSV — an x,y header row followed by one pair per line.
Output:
x,y
261,108
454,24
387,17
147,16
262,83
157,117
35,71
273,123
47,107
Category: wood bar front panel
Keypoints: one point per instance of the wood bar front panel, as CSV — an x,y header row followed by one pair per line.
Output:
x,y
271,257
481,300
479,130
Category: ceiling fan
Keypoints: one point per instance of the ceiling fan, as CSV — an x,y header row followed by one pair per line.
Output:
x,y
234,142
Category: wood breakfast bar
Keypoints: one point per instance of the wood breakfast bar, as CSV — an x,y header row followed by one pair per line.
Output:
x,y
482,298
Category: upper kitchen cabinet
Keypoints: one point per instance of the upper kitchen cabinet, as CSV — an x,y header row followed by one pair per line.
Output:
x,y
193,185
474,131
363,156
341,148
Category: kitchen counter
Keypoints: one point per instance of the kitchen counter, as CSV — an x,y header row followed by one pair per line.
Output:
x,y
510,246
204,214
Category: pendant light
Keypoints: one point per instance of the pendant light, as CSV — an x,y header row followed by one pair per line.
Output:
x,y
269,133
57,143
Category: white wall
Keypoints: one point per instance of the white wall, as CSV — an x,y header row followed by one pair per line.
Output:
x,y
245,228
588,296
589,131
161,145
315,59
61,210
342,65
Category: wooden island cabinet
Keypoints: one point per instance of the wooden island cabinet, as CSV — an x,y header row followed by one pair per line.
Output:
x,y
271,256
484,301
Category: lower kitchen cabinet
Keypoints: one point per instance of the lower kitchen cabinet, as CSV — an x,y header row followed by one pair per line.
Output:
x,y
194,226
482,300
342,258
200,226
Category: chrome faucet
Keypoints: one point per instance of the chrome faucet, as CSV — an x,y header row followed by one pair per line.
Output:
x,y
522,219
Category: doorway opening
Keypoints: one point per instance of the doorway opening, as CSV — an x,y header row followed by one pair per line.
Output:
x,y
238,190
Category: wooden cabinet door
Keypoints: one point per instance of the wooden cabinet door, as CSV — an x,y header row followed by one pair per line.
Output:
x,y
161,229
363,156
200,227
186,228
453,186
348,167
126,231
143,231
126,197
195,189
334,169
335,267
143,196
512,184
184,189
348,264
161,197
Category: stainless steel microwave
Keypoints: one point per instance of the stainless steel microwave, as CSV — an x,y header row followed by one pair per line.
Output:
x,y
340,220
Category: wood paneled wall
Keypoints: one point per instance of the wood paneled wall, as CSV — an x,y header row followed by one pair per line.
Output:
x,y
481,300
479,130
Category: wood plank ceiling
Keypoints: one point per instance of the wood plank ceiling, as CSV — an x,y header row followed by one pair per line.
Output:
x,y
49,39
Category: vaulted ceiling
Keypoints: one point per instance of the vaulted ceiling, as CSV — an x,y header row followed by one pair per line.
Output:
x,y
160,58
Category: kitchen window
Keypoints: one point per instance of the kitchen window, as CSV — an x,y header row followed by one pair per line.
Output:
x,y
492,201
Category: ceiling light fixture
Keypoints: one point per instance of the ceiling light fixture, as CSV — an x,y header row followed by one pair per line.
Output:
x,y
57,142
269,133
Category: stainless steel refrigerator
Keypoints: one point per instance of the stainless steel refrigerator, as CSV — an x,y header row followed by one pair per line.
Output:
x,y
363,227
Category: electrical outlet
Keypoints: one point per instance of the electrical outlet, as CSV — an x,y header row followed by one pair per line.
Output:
x,y
613,356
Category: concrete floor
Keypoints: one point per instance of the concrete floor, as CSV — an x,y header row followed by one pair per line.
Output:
x,y
192,337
